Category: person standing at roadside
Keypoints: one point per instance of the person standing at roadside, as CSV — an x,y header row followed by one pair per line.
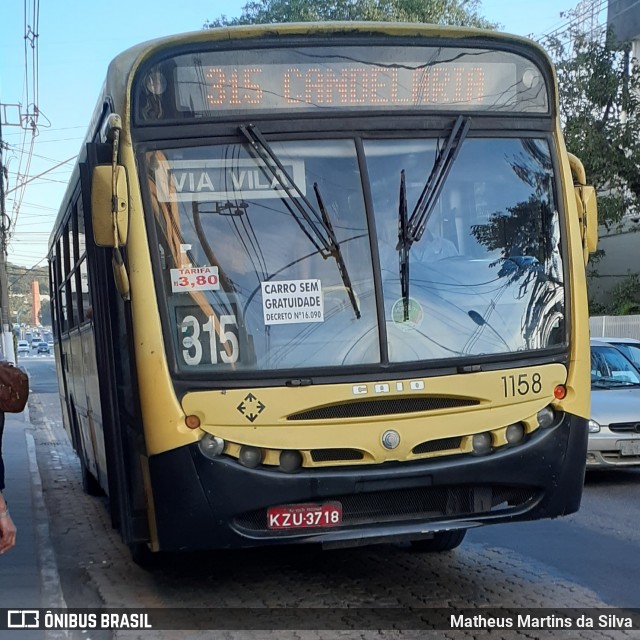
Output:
x,y
7,528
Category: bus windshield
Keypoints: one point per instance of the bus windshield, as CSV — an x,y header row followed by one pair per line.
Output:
x,y
249,286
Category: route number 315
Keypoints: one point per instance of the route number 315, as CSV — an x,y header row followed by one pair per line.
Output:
x,y
219,334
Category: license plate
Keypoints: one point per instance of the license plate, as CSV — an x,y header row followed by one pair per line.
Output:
x,y
305,516
630,448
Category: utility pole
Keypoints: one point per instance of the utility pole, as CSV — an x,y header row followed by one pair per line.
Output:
x,y
11,115
6,344
27,120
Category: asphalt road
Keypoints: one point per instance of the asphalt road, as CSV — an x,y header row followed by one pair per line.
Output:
x,y
42,372
598,547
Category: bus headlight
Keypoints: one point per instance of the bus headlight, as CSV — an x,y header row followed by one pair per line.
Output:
x,y
211,446
250,456
290,461
546,417
481,443
594,427
514,433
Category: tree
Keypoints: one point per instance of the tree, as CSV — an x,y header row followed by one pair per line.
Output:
x,y
20,283
600,112
449,12
45,313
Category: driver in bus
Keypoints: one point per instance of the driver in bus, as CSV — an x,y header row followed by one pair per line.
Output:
x,y
431,247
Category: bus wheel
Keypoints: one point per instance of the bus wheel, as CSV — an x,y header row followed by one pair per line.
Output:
x,y
441,541
89,483
143,556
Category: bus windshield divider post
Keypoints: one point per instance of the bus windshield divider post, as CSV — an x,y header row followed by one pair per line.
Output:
x,y
403,245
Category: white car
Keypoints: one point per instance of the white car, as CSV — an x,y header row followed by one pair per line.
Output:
x,y
23,347
614,428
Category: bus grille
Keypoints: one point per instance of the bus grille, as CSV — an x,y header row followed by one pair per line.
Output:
x,y
401,505
444,444
332,455
382,407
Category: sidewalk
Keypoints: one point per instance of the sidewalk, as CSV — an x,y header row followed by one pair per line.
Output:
x,y
28,572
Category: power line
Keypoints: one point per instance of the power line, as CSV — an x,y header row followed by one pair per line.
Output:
x,y
41,174
35,155
41,141
52,130
587,9
26,273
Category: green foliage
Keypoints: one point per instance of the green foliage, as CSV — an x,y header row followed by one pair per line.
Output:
x,y
449,12
597,308
600,114
625,298
20,279
45,313
20,282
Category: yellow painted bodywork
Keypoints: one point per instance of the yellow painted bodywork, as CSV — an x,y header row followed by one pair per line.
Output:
x,y
224,413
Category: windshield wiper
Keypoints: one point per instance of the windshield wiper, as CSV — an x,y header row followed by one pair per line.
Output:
x,y
318,226
618,382
336,252
433,187
411,228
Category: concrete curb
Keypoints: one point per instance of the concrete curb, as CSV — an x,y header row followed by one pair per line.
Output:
x,y
51,590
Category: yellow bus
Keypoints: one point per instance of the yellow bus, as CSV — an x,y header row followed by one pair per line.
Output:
x,y
324,283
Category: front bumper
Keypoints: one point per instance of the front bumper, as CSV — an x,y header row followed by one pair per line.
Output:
x,y
203,504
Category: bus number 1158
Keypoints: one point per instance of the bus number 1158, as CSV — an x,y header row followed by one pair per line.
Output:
x,y
521,384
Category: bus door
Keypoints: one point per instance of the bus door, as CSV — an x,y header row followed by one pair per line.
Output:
x,y
123,435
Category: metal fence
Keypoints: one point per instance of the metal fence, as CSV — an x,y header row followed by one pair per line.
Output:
x,y
615,326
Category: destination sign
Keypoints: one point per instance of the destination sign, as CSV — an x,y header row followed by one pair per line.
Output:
x,y
354,85
212,83
222,180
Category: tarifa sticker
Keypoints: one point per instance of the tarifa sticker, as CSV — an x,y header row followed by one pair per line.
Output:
x,y
415,314
194,279
292,301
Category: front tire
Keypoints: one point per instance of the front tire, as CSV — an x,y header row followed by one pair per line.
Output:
x,y
441,541
143,556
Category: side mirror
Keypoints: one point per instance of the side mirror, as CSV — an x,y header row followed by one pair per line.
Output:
x,y
102,201
587,207
588,197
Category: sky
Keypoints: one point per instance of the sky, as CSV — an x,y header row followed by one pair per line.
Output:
x,y
76,41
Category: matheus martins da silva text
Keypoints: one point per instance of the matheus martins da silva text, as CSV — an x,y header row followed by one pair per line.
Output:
x,y
530,621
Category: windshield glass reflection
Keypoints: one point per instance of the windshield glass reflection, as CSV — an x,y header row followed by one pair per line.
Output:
x,y
284,298
253,279
486,276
